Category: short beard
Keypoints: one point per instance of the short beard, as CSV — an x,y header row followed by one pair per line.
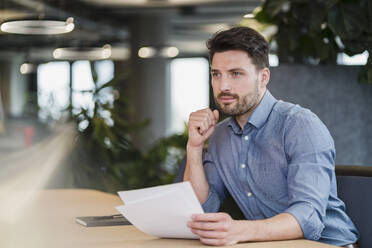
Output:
x,y
243,105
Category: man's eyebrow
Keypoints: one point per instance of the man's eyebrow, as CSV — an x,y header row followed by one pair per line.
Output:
x,y
236,69
232,69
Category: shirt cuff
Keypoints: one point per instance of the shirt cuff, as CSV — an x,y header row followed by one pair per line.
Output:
x,y
212,204
308,218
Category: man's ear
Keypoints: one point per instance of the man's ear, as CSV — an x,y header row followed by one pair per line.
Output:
x,y
264,77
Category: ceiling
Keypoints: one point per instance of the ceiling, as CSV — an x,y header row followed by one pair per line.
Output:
x,y
99,22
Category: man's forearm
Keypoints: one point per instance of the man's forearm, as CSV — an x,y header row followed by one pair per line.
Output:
x,y
280,227
194,172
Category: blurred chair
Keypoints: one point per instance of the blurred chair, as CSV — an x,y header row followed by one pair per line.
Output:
x,y
354,186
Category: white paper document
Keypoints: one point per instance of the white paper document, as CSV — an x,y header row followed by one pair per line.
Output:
x,y
161,211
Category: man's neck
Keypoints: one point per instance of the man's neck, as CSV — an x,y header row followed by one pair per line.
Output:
x,y
242,119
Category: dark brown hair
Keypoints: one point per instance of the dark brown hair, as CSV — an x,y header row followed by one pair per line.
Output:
x,y
241,38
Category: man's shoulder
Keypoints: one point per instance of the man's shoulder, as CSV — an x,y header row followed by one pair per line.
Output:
x,y
288,111
296,117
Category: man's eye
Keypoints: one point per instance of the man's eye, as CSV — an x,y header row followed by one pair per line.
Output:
x,y
215,74
236,73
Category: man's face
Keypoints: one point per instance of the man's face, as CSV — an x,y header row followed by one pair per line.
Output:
x,y
236,82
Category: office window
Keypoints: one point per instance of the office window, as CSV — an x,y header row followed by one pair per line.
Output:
x,y
273,60
53,82
189,90
54,87
83,85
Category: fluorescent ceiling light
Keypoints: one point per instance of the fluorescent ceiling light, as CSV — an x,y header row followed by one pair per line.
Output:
x,y
27,68
38,26
76,53
146,52
169,52
165,52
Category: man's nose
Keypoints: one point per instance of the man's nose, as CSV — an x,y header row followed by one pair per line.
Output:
x,y
225,84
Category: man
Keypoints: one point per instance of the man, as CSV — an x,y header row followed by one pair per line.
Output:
x,y
276,159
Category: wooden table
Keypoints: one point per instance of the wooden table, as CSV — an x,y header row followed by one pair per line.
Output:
x,y
47,219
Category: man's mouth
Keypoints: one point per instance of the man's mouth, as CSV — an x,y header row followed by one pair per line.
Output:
x,y
227,99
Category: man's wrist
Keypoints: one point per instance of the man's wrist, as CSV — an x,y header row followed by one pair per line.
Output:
x,y
246,230
194,149
194,156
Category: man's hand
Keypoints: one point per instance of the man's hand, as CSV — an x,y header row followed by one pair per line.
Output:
x,y
220,229
201,126
215,228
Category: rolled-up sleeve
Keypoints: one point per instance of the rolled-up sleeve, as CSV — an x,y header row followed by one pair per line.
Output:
x,y
310,153
217,190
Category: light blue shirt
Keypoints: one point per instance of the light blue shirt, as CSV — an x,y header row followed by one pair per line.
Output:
x,y
283,161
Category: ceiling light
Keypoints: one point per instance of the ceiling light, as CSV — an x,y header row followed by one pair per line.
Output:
x,y
38,26
169,52
81,53
165,52
27,68
147,52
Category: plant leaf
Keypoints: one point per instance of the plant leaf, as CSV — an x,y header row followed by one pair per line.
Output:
x,y
365,74
273,7
353,47
346,19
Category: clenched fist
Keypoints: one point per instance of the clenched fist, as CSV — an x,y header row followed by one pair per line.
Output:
x,y
201,126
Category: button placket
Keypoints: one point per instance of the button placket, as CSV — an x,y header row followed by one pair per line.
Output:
x,y
245,147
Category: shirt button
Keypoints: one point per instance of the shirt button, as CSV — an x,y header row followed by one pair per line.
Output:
x,y
249,194
246,137
243,166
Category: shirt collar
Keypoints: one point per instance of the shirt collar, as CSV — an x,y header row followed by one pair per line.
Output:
x,y
259,115
263,110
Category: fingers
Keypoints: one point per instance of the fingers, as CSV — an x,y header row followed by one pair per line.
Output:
x,y
210,217
209,131
214,228
210,222
201,126
218,242
204,115
214,242
203,120
216,114
209,234
208,226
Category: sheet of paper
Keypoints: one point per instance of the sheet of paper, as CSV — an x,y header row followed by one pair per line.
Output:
x,y
161,211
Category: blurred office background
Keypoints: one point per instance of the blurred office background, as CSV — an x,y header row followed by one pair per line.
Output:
x,y
101,98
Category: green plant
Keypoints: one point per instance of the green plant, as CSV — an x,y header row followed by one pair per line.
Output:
x,y
105,157
316,31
